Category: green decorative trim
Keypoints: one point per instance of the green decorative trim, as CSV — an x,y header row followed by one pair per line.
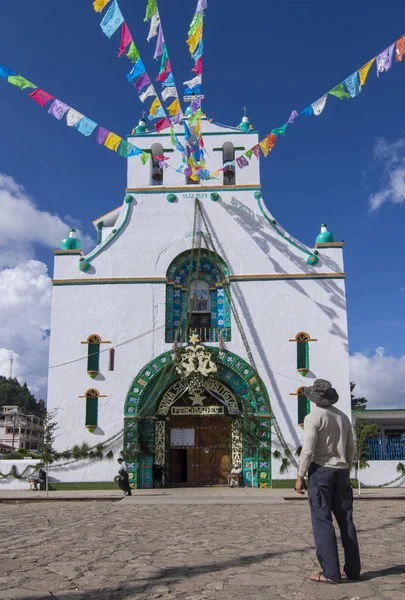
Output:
x,y
230,132
191,189
235,148
171,197
214,197
84,264
257,195
312,258
100,225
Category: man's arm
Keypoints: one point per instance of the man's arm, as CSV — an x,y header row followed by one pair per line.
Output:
x,y
308,447
350,447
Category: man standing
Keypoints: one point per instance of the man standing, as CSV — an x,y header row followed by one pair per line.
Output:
x,y
327,456
123,478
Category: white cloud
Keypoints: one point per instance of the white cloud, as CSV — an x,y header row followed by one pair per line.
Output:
x,y
25,312
23,225
379,378
392,157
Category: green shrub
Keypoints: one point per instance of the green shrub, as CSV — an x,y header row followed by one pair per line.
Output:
x,y
13,456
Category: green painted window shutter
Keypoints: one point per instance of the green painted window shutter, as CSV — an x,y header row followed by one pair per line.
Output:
x,y
302,355
93,357
303,409
91,411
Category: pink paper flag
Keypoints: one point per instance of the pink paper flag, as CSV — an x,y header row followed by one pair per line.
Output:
x,y
162,124
41,97
126,39
102,135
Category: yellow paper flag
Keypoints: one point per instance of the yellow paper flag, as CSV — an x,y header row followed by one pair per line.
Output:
x,y
195,38
264,145
197,127
113,141
363,72
155,105
174,107
100,4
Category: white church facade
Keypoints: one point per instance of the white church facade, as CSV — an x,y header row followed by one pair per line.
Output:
x,y
187,334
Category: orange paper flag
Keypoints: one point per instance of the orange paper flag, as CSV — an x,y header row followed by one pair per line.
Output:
x,y
400,51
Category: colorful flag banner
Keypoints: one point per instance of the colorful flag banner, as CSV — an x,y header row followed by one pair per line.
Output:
x,y
112,20
73,117
149,92
58,109
41,97
292,118
192,82
169,81
363,72
126,39
99,5
154,24
352,85
5,72
145,156
201,5
86,126
256,150
400,51
384,59
155,105
199,51
113,141
198,67
308,111
194,39
176,118
159,114
319,106
124,149
21,82
264,145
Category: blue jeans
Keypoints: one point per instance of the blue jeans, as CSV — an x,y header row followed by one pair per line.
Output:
x,y
330,492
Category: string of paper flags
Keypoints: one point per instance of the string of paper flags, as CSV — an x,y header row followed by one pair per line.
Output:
x,y
74,118
348,88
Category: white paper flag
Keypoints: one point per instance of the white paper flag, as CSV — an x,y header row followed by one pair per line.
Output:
x,y
149,92
154,24
319,105
73,117
169,92
193,82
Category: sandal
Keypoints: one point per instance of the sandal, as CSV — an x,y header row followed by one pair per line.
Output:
x,y
320,578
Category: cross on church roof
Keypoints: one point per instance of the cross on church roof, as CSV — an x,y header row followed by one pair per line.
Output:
x,y
143,113
245,111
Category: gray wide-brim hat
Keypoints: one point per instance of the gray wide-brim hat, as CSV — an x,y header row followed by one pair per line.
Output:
x,y
322,393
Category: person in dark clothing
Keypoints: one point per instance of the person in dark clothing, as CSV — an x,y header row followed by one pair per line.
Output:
x,y
327,456
42,479
157,474
123,478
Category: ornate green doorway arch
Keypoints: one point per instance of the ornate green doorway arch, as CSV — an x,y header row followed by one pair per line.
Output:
x,y
144,431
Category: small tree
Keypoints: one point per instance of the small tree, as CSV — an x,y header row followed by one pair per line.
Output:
x,y
357,403
47,453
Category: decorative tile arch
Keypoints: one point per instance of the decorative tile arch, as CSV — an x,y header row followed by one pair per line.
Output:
x,y
156,377
215,272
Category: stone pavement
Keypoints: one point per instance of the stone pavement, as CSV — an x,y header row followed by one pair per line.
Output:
x,y
120,550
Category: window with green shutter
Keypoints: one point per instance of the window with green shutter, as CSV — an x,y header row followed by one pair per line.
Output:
x,y
92,410
93,355
304,408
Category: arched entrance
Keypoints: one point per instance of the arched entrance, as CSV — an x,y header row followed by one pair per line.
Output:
x,y
196,441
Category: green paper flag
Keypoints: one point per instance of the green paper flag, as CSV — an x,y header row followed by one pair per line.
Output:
x,y
21,82
164,59
144,157
339,91
172,138
195,116
249,154
280,130
124,149
195,23
133,53
151,9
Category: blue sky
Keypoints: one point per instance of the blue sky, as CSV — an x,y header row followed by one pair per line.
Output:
x,y
272,56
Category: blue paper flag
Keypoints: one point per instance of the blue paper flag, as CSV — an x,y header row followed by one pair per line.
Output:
x,y
6,72
308,112
86,126
112,20
159,114
199,50
135,151
138,70
196,89
169,81
352,85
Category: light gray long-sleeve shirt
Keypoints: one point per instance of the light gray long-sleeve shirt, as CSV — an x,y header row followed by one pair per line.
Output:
x,y
328,440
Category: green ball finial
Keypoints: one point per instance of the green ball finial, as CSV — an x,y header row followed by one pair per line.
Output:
x,y
71,242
